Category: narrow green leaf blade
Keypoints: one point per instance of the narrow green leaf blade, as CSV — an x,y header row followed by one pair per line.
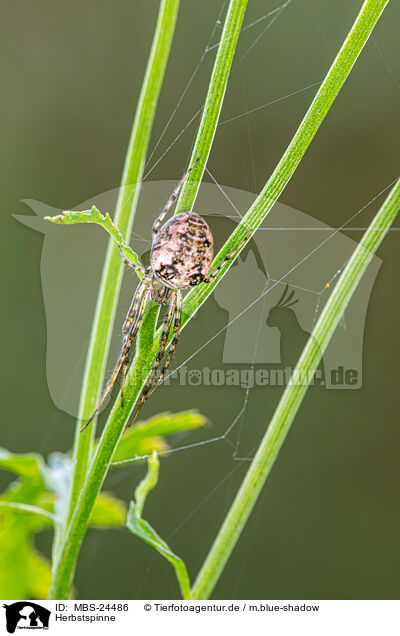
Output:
x,y
144,531
148,483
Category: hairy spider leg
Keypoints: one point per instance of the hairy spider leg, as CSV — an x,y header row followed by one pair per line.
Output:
x,y
135,313
173,319
130,316
126,261
157,223
125,366
136,310
228,257
174,341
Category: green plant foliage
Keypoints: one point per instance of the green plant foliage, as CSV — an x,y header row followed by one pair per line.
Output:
x,y
24,573
38,500
35,501
108,512
143,529
29,465
95,216
148,436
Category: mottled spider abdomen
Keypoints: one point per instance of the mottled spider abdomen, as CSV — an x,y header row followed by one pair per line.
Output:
x,y
182,251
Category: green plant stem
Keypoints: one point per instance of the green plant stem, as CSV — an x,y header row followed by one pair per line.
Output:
x,y
28,508
213,103
292,398
112,271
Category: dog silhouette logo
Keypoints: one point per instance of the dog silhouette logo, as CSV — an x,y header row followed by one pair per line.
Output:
x,y
26,615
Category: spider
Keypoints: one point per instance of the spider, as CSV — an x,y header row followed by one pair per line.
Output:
x,y
180,257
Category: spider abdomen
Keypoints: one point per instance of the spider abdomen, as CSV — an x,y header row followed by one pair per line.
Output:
x,y
182,251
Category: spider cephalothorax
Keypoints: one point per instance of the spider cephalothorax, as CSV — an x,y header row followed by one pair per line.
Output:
x,y
180,257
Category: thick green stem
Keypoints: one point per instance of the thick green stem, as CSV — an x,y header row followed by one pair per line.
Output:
x,y
112,271
292,398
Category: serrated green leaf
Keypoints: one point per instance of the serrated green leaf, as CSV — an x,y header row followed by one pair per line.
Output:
x,y
147,436
70,217
108,511
143,529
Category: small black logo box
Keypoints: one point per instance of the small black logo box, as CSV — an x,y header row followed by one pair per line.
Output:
x,y
26,615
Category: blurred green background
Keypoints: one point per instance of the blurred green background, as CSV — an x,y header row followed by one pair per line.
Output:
x,y
327,524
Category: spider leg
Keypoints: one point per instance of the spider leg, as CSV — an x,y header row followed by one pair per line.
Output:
x,y
125,366
174,312
227,258
136,311
126,261
174,342
157,223
129,319
130,316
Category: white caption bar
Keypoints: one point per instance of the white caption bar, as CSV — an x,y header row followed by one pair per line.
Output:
x,y
201,617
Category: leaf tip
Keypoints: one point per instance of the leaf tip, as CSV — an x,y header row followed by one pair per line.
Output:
x,y
60,218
